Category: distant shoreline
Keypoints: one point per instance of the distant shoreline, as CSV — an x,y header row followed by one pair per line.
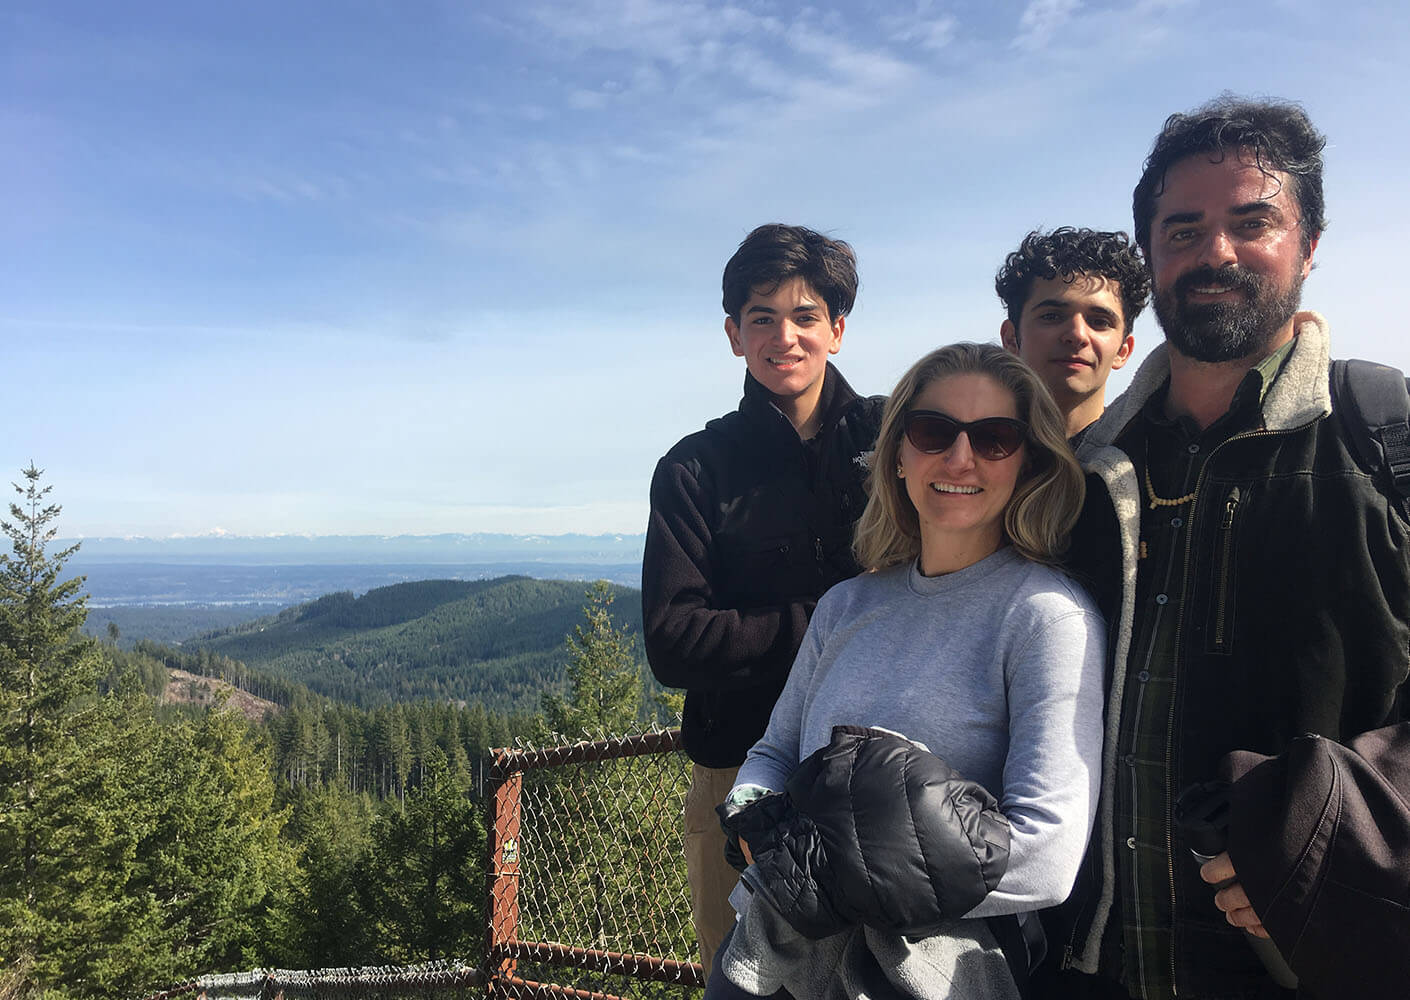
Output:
x,y
112,583
444,549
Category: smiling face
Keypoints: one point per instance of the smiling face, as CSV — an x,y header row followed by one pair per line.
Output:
x,y
1073,334
1228,258
785,335
959,497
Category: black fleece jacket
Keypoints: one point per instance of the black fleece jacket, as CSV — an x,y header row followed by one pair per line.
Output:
x,y
749,526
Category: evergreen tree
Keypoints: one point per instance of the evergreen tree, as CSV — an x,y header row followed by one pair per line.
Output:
x,y
399,748
332,830
454,748
423,877
132,854
211,853
604,676
47,670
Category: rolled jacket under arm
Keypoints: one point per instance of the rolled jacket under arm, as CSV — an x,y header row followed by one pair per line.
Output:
x,y
873,830
1320,840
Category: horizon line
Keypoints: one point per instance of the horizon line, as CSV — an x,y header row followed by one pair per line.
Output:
x,y
220,536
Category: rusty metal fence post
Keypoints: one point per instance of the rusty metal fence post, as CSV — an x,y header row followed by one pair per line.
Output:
x,y
503,864
585,868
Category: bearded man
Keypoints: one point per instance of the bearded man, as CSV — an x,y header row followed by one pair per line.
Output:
x,y
1253,572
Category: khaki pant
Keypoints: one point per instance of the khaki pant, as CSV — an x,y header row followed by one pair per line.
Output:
x,y
711,878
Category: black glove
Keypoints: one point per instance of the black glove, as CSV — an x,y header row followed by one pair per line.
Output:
x,y
756,821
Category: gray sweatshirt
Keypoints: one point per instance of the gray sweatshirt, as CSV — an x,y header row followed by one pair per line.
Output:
x,y
996,668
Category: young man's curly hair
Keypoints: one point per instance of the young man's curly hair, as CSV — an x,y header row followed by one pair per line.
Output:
x,y
1067,253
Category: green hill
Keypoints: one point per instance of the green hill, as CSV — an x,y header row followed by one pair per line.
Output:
x,y
498,642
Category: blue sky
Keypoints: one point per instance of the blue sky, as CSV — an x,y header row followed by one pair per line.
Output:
x,y
413,267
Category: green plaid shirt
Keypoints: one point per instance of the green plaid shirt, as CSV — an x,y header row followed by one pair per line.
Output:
x,y
1174,452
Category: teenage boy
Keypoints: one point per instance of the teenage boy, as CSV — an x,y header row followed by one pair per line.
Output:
x,y
751,520
1072,297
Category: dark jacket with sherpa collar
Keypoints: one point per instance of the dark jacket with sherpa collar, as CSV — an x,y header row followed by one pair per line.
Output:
x,y
1295,619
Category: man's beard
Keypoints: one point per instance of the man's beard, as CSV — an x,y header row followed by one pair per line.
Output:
x,y
1225,331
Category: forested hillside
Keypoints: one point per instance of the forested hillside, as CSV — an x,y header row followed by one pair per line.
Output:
x,y
146,842
497,642
317,743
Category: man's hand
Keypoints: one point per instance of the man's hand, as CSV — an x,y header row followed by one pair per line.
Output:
x,y
1231,899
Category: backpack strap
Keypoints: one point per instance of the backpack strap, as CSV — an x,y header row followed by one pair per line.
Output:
x,y
1373,404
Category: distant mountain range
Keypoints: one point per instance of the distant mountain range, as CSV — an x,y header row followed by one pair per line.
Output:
x,y
448,549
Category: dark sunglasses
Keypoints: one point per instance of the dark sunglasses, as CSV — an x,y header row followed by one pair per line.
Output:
x,y
992,438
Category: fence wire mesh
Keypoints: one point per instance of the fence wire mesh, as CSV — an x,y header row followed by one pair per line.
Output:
x,y
443,980
589,871
588,892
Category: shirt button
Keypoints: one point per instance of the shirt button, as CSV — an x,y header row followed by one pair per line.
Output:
x,y
1175,522
1129,760
1131,842
1143,676
1192,449
1162,599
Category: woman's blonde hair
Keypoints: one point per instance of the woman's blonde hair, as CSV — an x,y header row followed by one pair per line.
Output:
x,y
1050,489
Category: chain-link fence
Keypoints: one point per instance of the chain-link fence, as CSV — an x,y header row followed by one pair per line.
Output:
x,y
587,872
588,894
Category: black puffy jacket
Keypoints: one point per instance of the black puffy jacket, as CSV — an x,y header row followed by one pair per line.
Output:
x,y
872,830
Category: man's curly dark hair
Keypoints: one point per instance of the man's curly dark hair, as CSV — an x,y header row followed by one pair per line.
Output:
x,y
1068,253
1278,135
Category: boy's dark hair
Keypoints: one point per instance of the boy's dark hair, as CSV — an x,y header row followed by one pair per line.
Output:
x,y
1066,253
1278,135
774,253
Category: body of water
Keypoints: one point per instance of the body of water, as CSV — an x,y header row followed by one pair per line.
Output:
x,y
119,584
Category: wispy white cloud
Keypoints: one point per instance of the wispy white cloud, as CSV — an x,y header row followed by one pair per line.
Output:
x,y
867,71
715,92
287,188
922,27
589,100
723,54
1041,20
678,34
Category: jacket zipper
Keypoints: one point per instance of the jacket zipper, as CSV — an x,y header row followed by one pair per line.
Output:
x,y
1174,693
1226,555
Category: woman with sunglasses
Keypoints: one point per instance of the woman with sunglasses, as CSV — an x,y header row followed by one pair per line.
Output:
x,y
978,667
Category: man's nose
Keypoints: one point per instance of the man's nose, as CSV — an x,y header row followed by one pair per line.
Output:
x,y
1218,249
1076,332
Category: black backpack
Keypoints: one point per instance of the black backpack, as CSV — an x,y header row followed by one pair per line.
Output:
x,y
1373,403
